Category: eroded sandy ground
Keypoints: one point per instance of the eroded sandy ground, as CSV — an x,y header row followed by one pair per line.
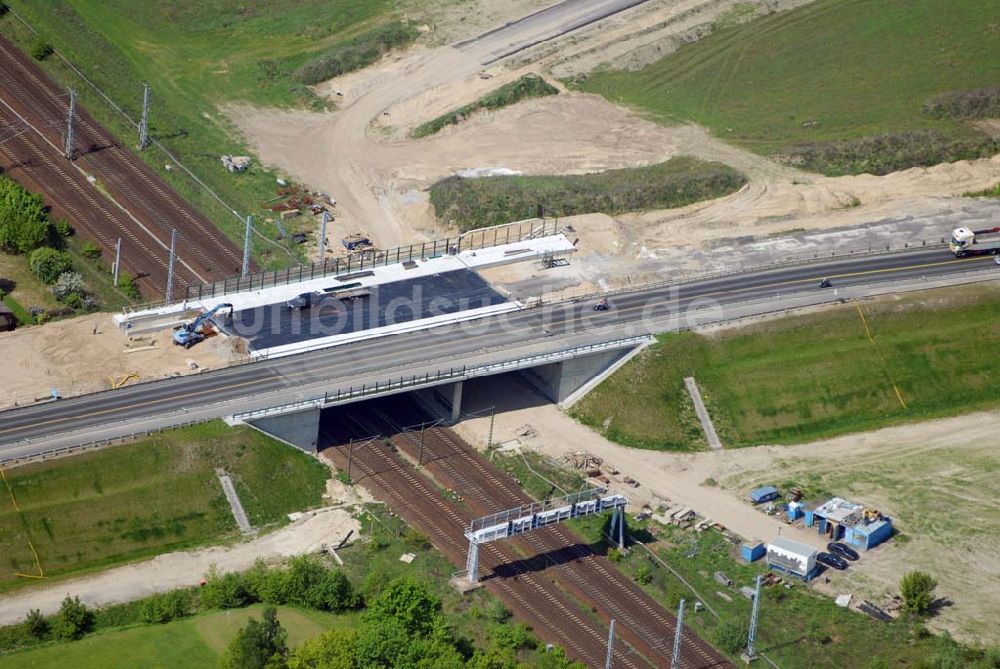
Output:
x,y
69,357
936,479
362,155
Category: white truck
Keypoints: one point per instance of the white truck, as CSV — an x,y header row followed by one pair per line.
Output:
x,y
966,242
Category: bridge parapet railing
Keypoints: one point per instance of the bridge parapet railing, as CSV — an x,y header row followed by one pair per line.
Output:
x,y
437,378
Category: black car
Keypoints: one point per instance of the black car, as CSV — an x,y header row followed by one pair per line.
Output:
x,y
831,560
843,550
304,301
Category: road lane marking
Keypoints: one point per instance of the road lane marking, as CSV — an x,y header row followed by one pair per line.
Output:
x,y
319,370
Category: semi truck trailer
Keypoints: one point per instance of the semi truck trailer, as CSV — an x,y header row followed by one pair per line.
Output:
x,y
966,242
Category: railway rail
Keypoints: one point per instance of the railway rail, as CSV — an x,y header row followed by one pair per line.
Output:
x,y
485,490
153,208
530,594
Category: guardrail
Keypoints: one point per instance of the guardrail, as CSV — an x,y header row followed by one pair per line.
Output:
x,y
474,239
428,380
625,286
986,275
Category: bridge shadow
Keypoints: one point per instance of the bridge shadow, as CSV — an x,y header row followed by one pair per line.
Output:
x,y
540,562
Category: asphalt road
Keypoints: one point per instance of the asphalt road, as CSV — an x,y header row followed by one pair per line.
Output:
x,y
513,334
387,304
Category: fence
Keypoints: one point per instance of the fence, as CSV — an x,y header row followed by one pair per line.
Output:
x,y
475,239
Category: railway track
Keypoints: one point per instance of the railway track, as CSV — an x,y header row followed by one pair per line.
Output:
x,y
529,594
153,208
485,490
39,168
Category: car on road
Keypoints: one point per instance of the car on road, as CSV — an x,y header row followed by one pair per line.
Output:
x,y
997,261
831,560
843,550
304,301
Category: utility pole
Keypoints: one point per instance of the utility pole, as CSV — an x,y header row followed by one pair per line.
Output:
x,y
420,455
350,456
675,659
322,235
170,265
246,247
68,146
493,415
144,122
611,645
118,259
751,653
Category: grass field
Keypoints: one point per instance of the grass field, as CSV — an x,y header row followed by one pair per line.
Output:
x,y
798,629
832,70
118,504
481,202
197,57
812,376
528,86
193,642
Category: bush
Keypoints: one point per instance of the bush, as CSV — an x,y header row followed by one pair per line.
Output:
x,y
970,104
511,637
48,264
486,201
883,154
226,591
36,624
166,607
127,286
40,49
917,590
731,636
67,284
63,228
90,250
308,583
528,86
74,619
497,612
644,574
357,53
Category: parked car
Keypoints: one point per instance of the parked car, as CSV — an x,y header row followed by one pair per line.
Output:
x,y
304,301
831,560
843,550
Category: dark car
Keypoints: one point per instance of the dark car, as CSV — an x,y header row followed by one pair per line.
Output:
x,y
831,560
843,550
304,301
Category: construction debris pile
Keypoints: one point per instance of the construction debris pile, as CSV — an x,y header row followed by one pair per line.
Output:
x,y
235,163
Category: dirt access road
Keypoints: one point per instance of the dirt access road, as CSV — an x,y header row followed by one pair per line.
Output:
x,y
380,176
938,480
182,569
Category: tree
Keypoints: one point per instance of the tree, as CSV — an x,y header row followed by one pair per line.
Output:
x,y
259,644
917,588
408,601
36,624
74,619
384,642
48,264
331,650
24,225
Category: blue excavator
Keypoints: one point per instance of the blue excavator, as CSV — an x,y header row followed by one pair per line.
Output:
x,y
190,334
